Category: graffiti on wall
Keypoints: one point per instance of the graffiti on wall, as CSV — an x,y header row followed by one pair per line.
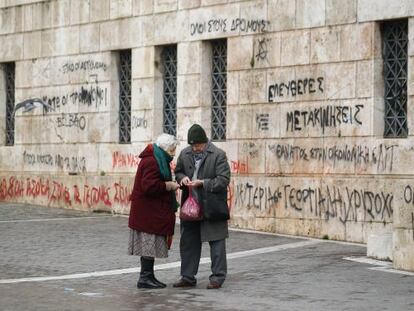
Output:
x,y
260,49
380,157
330,202
220,25
84,195
239,167
330,116
409,199
138,122
57,161
295,87
121,160
83,65
76,120
89,96
262,121
251,196
345,204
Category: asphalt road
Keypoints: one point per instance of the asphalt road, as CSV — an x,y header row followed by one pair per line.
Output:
x,y
52,259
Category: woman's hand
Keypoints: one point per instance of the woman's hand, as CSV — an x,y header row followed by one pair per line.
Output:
x,y
171,185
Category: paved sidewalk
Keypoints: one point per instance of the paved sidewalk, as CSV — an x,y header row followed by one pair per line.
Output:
x,y
53,259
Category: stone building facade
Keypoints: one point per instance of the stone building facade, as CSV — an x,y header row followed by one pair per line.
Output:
x,y
310,99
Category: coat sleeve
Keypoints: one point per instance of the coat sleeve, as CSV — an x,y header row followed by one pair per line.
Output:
x,y
151,181
179,168
222,175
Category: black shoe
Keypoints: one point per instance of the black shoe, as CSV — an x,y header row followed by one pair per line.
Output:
x,y
163,285
147,281
147,278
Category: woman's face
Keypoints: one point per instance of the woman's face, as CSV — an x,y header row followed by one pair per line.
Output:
x,y
171,151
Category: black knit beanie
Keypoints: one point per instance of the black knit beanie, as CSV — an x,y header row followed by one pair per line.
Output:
x,y
196,135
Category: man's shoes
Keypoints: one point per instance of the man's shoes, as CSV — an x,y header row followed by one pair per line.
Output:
x,y
213,285
183,283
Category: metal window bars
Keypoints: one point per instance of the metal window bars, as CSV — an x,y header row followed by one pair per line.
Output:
x,y
125,97
395,42
169,64
219,90
9,72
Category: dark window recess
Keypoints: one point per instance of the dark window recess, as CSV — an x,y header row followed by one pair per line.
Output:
x,y
169,65
395,42
219,90
125,97
9,72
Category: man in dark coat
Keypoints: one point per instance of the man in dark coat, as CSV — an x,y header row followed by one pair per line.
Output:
x,y
203,169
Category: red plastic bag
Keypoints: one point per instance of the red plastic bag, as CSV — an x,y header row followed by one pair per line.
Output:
x,y
191,210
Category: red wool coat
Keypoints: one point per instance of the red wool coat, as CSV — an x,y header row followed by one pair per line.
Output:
x,y
151,210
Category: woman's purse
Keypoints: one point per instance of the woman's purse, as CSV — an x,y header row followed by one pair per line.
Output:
x,y
191,209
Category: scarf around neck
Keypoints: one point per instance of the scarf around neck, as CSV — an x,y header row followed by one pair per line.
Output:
x,y
163,161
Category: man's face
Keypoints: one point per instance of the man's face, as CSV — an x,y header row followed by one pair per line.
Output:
x,y
198,148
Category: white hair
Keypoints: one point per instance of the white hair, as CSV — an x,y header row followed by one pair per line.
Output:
x,y
166,141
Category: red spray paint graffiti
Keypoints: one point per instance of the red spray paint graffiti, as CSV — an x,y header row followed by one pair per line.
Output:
x,y
57,192
124,160
239,167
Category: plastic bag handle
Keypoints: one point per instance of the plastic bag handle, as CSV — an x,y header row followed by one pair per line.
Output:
x,y
190,192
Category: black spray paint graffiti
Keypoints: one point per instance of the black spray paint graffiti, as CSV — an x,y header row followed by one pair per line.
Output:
x,y
224,25
409,199
86,65
261,198
89,95
251,149
68,163
381,156
323,117
262,121
262,49
260,52
349,205
325,203
295,87
71,120
138,122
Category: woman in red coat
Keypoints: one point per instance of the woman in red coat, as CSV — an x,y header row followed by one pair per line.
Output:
x,y
153,207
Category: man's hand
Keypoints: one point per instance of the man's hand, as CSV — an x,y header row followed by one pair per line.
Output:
x,y
196,183
186,181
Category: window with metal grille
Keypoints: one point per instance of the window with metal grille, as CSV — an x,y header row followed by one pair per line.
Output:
x,y
395,42
9,73
169,66
125,97
219,90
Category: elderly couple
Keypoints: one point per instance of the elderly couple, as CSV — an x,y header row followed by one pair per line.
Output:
x,y
201,167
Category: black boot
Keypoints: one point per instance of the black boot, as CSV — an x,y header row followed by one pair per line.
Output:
x,y
146,277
